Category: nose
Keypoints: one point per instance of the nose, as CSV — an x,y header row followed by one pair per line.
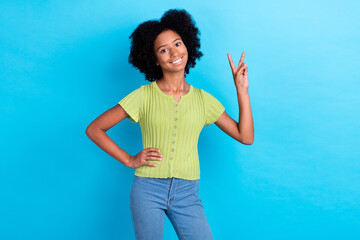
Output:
x,y
173,52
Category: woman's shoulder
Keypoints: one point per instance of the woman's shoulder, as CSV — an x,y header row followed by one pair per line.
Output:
x,y
201,91
143,88
207,96
196,89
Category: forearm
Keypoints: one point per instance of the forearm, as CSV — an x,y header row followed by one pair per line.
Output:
x,y
102,140
246,123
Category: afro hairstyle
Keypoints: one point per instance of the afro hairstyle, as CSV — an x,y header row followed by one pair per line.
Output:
x,y
142,55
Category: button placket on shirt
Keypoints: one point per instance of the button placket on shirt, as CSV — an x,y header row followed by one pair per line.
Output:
x,y
175,125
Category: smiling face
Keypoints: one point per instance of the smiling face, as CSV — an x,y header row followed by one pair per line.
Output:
x,y
170,51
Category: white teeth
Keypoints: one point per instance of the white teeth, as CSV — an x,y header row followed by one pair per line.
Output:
x,y
177,60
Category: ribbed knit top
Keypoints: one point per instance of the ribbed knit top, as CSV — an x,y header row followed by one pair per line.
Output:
x,y
173,127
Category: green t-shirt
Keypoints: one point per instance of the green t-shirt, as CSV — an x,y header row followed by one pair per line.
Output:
x,y
173,127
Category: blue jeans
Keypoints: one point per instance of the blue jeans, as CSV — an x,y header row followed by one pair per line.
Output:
x,y
152,198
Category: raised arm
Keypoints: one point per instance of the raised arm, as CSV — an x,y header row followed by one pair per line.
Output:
x,y
242,131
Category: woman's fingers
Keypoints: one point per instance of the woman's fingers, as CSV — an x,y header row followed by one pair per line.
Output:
x,y
150,164
241,59
152,150
241,69
240,65
232,65
152,154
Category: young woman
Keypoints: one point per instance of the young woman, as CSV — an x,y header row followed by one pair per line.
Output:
x,y
171,113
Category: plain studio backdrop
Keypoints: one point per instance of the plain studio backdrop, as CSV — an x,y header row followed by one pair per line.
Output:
x,y
63,63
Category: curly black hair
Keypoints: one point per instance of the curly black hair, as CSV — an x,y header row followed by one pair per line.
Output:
x,y
142,55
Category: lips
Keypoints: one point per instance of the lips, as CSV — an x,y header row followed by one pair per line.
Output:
x,y
177,61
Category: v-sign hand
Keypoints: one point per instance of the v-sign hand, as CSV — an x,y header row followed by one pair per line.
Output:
x,y
240,73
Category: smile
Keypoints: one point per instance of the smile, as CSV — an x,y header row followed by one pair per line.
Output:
x,y
177,61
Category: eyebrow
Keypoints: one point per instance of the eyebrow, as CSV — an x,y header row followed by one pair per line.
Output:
x,y
165,44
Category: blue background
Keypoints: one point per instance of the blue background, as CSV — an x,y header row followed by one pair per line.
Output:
x,y
63,63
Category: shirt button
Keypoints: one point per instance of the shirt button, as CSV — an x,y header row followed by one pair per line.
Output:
x,y
175,126
174,134
173,141
176,111
172,149
171,158
175,119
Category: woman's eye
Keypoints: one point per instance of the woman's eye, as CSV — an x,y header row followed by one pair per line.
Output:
x,y
178,44
163,50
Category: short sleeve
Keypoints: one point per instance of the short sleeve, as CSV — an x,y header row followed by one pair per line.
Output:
x,y
213,108
132,104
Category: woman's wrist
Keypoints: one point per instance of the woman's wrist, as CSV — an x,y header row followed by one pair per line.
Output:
x,y
242,90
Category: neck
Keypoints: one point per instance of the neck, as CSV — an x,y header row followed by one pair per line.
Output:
x,y
174,82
